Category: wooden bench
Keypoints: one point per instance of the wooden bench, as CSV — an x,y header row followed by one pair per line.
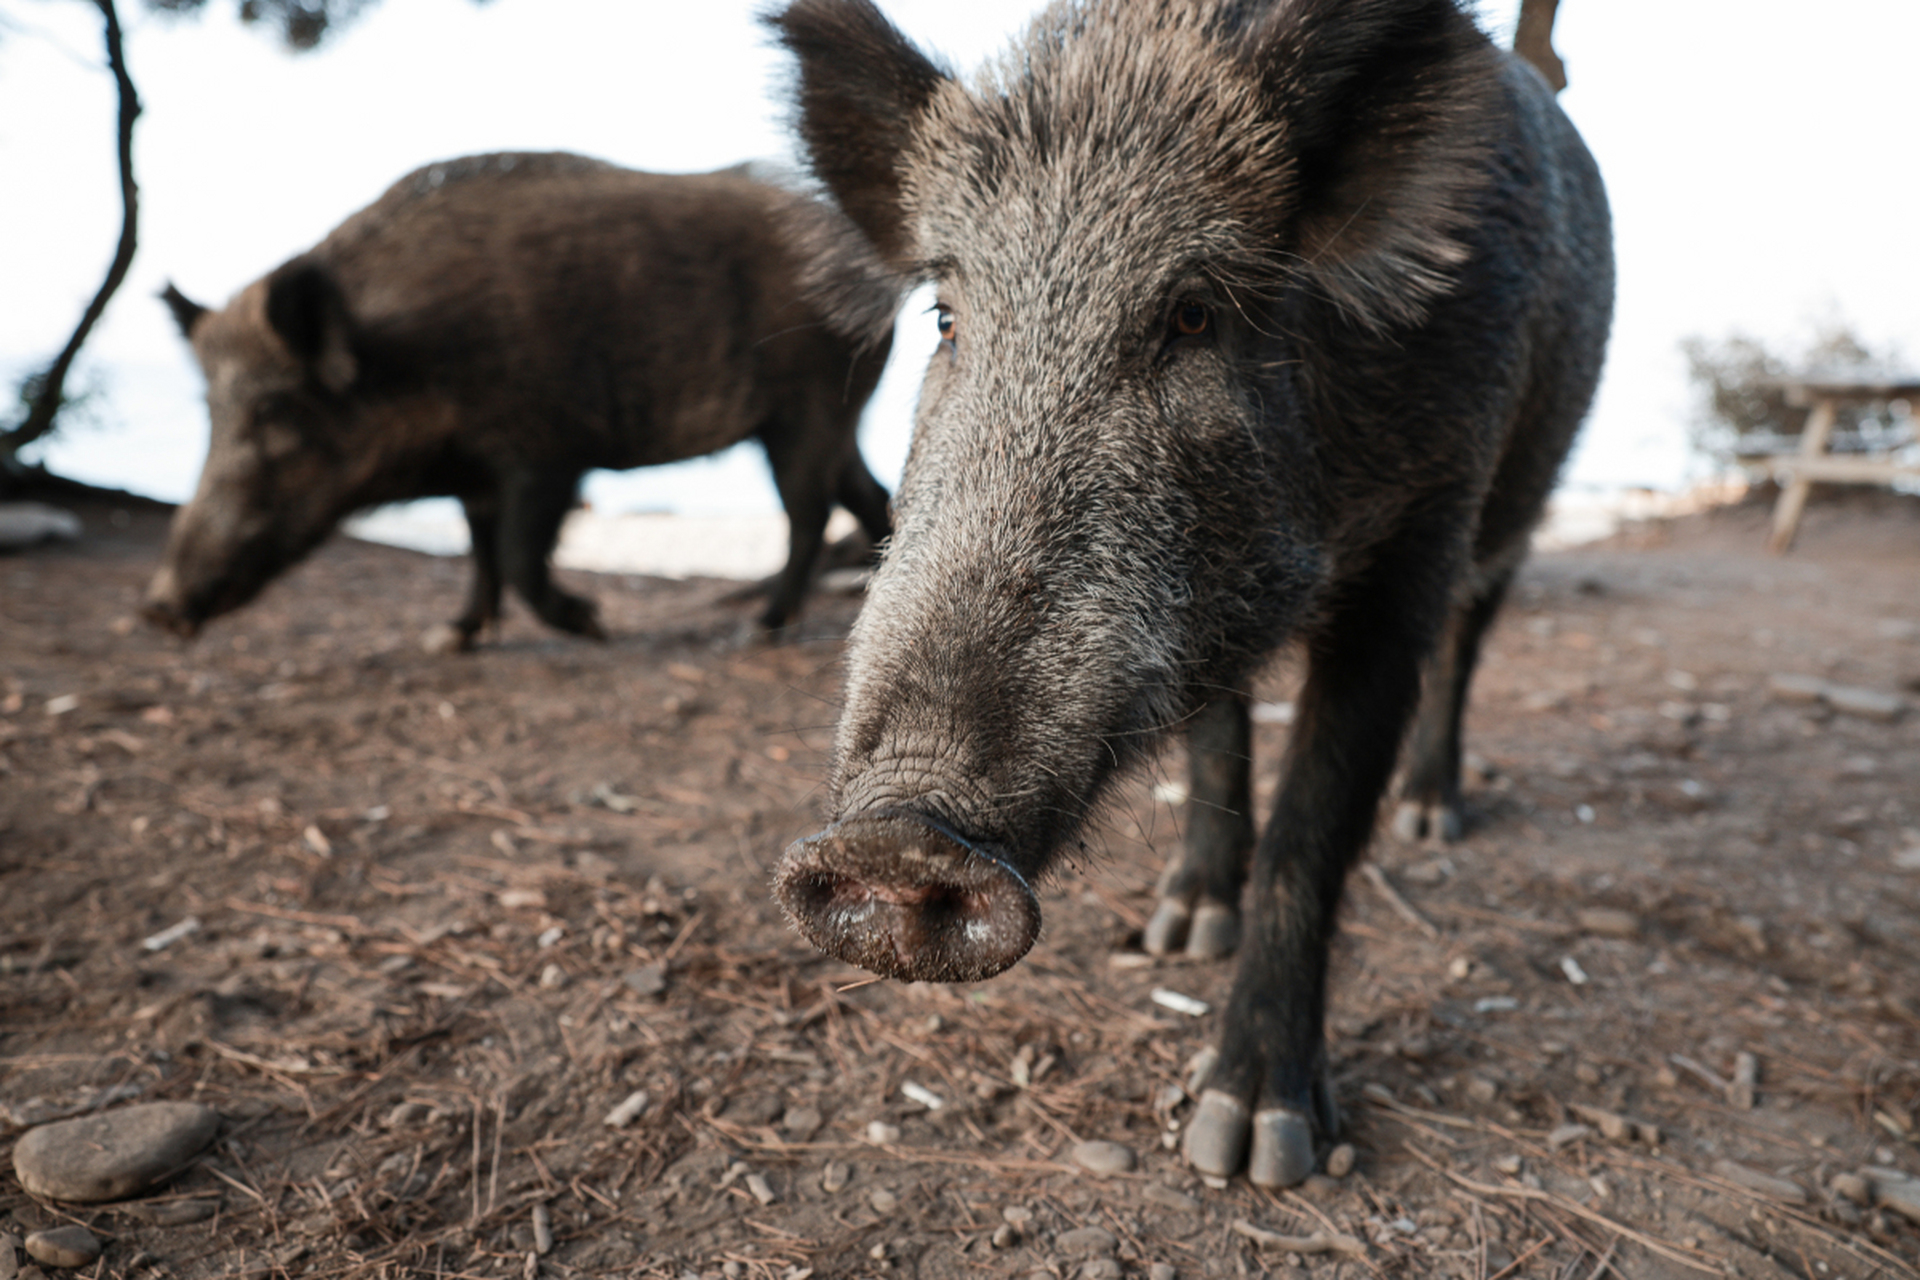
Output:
x,y
1812,464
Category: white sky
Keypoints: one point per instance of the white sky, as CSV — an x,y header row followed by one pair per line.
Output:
x,y
1758,154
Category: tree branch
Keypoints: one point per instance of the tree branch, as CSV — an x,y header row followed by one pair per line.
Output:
x,y
46,391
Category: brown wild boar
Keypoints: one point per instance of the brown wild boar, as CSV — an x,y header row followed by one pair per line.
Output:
x,y
1261,322
493,327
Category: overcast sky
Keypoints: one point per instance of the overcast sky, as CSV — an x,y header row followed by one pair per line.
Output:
x,y
1757,154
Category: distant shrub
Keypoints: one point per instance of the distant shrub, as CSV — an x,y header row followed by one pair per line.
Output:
x,y
1741,411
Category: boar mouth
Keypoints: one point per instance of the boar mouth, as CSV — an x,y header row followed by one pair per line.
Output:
x,y
903,897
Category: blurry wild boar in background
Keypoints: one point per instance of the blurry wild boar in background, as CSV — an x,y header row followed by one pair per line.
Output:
x,y
1260,321
493,327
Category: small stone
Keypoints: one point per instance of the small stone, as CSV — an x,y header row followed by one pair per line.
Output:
x,y
1169,1198
71,1246
115,1154
1608,922
1746,1076
1102,1269
883,1200
801,1123
1568,1134
1851,1186
1161,1271
1508,1163
542,1230
174,1213
1104,1159
1791,687
1766,1184
1016,1215
882,1134
1340,1160
1481,1089
648,980
1319,1187
1869,704
835,1177
1087,1242
629,1110
760,1189
1894,1190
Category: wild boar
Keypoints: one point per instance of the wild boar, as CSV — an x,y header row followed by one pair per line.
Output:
x,y
494,326
1261,322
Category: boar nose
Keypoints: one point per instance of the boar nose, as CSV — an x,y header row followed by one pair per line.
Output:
x,y
167,613
904,897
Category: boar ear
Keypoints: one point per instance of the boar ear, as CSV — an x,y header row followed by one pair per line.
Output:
x,y
308,311
861,85
1387,107
186,312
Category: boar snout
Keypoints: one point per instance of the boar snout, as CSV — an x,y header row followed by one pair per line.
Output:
x,y
905,898
165,607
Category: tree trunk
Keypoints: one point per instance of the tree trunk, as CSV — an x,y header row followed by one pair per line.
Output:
x,y
1533,40
45,391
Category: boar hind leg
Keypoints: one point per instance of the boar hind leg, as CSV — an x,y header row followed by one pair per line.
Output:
x,y
1430,804
864,496
1199,907
1267,1094
530,524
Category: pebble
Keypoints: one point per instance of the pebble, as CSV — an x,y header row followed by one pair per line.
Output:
x,y
1765,1183
1320,1187
1169,1198
882,1134
1790,686
71,1246
1508,1164
1104,1159
629,1110
1340,1160
115,1154
1608,922
9,1264
1087,1242
883,1200
1894,1190
1016,1215
648,980
1568,1134
760,1189
1161,1271
836,1176
1869,704
801,1123
1005,1236
1102,1269
1851,1186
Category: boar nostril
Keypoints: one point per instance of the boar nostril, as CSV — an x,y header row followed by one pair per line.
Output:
x,y
906,899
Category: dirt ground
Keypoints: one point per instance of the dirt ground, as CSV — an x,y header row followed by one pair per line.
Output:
x,y
453,911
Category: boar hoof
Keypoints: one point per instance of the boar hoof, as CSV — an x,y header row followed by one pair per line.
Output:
x,y
1167,931
904,898
1282,1149
1416,821
1216,1138
446,638
1215,932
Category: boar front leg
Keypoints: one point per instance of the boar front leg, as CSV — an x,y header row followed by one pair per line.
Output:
x,y
1268,1091
533,506
483,594
807,480
1199,908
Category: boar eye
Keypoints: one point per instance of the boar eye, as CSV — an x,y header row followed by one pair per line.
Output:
x,y
1192,320
944,320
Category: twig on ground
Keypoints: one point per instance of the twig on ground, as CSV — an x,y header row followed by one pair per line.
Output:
x,y
1378,879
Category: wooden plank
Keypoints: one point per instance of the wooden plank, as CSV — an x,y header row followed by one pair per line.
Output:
x,y
1793,498
1841,469
1802,392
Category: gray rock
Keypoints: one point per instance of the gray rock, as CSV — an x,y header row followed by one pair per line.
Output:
x,y
1789,686
1104,1159
648,979
1169,1198
1894,1190
22,524
801,1123
1851,1186
9,1259
1340,1160
114,1154
71,1246
1102,1269
1320,1187
1087,1242
1161,1271
1764,1183
836,1177
883,1200
1608,922
1870,704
